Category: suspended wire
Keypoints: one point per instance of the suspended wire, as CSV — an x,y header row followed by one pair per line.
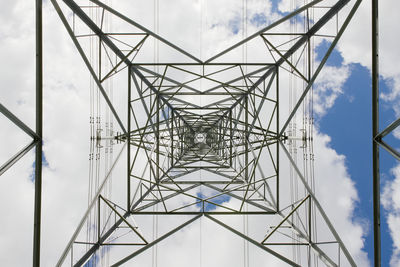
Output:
x,y
292,133
244,60
98,131
202,7
308,153
156,16
307,215
92,138
98,223
306,131
108,150
313,207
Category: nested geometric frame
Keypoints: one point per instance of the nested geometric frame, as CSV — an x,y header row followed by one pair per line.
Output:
x,y
222,118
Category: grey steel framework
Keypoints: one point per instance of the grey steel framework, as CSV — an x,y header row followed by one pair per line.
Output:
x,y
235,137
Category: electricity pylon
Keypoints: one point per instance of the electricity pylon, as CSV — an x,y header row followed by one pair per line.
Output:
x,y
208,137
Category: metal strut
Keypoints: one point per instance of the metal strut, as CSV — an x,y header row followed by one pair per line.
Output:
x,y
375,138
39,127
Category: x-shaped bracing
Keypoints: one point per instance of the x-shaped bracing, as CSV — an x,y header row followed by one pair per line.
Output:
x,y
200,121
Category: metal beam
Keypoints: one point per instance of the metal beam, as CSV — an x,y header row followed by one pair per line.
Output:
x,y
128,154
286,18
389,149
388,129
39,128
375,131
17,157
285,218
121,16
156,241
279,256
18,122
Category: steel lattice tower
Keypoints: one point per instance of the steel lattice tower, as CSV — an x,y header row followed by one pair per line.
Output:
x,y
188,117
200,132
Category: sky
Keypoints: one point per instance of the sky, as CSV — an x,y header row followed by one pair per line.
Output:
x,y
342,121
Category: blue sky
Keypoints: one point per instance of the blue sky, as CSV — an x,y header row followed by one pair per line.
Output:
x,y
348,123
45,163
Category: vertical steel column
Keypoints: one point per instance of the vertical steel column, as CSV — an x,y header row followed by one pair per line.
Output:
x,y
128,140
246,136
172,138
230,137
375,132
180,144
157,135
278,137
39,126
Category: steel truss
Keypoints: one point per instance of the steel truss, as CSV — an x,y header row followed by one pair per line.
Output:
x,y
235,138
171,137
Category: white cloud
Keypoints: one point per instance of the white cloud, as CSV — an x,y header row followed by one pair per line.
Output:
x,y
328,87
337,192
391,202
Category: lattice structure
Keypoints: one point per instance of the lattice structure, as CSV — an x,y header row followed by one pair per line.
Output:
x,y
208,137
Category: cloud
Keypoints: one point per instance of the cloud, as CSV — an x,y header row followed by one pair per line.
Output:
x,y
331,172
328,87
391,203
